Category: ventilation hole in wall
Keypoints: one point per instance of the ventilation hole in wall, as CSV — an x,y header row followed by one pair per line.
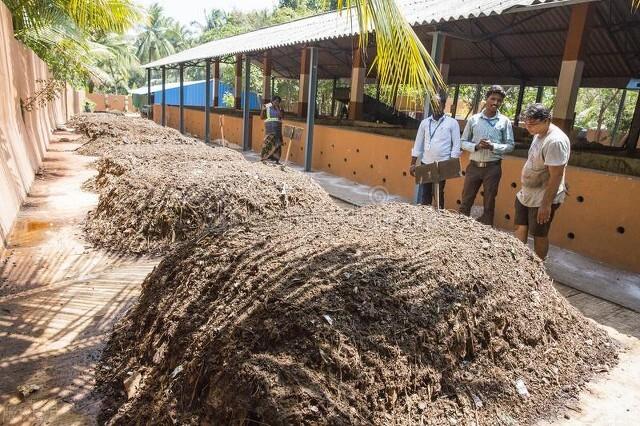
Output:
x,y
300,148
358,150
386,157
329,165
345,160
482,193
464,173
514,185
507,216
354,172
620,229
458,202
580,199
384,180
404,173
321,152
333,146
571,235
371,166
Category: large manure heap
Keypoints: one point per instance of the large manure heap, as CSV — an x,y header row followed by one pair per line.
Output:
x,y
382,315
104,131
149,209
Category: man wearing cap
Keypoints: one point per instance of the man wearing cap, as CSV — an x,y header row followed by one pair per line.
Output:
x,y
488,135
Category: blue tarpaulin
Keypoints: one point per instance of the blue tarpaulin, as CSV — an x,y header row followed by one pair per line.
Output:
x,y
194,94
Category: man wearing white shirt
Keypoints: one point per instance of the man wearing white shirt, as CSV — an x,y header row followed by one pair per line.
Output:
x,y
438,139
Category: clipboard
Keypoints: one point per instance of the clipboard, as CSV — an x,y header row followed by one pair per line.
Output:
x,y
438,171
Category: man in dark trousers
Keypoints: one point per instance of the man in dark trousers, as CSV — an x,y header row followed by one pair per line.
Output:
x,y
438,139
488,135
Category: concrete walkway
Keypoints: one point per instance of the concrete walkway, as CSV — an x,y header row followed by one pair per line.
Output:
x,y
58,297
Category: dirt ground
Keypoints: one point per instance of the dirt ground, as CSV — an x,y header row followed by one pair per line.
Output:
x,y
59,299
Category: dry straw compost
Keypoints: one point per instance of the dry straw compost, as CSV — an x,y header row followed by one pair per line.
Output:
x,y
104,131
149,209
383,315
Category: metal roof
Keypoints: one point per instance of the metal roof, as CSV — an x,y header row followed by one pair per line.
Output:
x,y
334,25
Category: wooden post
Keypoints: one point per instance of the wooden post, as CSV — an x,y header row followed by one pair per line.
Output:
x,y
216,83
207,100
616,126
303,93
516,118
539,94
572,67
333,97
634,131
358,74
454,104
237,90
164,96
266,78
311,110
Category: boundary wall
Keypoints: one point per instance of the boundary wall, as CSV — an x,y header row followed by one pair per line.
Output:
x,y
111,102
24,135
599,218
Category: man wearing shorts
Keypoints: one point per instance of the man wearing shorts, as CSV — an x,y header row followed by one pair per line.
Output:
x,y
543,186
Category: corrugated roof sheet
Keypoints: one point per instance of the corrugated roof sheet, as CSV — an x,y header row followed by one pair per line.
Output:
x,y
335,25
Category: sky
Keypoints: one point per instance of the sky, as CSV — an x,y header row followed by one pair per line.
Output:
x,y
187,11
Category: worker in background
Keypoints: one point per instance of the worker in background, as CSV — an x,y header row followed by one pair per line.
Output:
x,y
488,135
272,114
543,185
438,139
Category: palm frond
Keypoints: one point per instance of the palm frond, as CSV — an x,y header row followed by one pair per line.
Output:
x,y
401,58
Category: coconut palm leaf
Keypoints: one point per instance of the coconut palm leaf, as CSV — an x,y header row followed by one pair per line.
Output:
x,y
401,58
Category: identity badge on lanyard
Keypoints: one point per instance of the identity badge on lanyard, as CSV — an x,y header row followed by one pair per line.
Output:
x,y
432,133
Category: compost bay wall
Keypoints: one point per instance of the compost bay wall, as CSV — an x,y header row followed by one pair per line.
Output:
x,y
24,135
599,219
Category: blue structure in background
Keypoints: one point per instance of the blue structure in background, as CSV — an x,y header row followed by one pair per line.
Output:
x,y
194,94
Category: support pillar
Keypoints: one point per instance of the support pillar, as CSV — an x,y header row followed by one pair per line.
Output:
x,y
266,78
616,126
454,104
476,99
358,74
164,97
333,97
634,130
182,98
441,60
246,118
539,94
216,83
516,118
311,111
207,100
149,103
572,67
303,93
237,89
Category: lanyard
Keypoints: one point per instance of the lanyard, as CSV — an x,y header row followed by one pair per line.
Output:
x,y
492,121
431,134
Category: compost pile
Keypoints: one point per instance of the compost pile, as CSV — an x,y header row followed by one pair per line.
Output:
x,y
149,209
104,131
125,158
382,315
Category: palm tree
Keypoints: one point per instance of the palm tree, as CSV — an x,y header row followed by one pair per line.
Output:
x,y
213,19
59,31
411,65
115,55
154,40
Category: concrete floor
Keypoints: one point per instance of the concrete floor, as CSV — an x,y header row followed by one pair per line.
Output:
x,y
59,299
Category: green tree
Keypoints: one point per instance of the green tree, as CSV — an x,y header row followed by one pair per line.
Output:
x,y
155,39
60,32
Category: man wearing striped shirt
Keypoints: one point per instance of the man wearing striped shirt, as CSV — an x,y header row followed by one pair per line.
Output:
x,y
438,139
488,135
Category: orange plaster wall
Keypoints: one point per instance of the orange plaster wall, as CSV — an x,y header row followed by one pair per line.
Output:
x,y
115,102
609,200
